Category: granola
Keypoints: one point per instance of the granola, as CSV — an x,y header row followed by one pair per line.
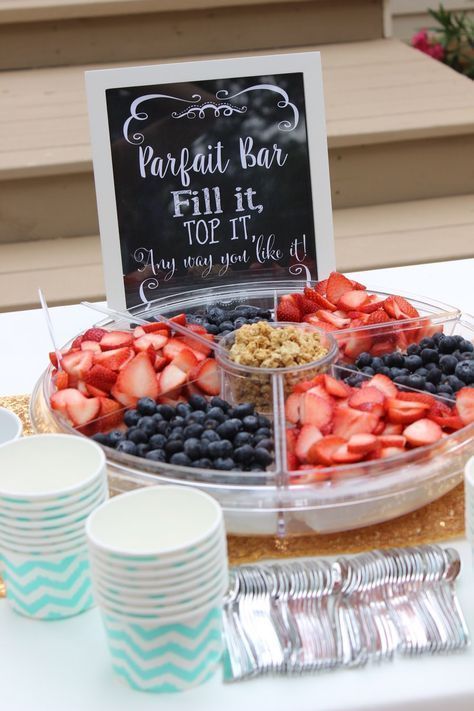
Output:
x,y
263,346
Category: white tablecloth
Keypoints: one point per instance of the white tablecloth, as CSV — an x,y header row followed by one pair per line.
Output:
x,y
64,666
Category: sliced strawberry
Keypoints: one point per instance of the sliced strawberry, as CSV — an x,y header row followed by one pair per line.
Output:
x,y
193,389
318,300
378,316
322,452
321,391
198,346
337,285
405,412
392,428
343,455
379,428
309,474
366,395
372,304
399,308
116,339
425,398
291,435
124,398
173,348
62,398
303,387
154,340
293,408
76,344
62,380
116,359
315,321
94,334
315,410
53,359
160,362
95,392
171,378
357,285
374,407
422,432
321,286
336,388
91,346
392,440
362,443
308,436
382,383
196,328
208,377
100,377
138,332
357,344
77,363
161,328
348,421
291,461
308,306
382,347
110,414
333,318
180,319
449,423
288,310
138,379
387,452
465,405
352,300
80,412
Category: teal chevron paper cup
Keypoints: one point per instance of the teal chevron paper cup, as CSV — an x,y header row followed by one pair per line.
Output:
x,y
49,470
49,484
165,523
158,603
56,513
141,545
169,655
48,587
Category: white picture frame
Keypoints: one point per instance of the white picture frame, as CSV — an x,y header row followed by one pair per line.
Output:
x,y
99,81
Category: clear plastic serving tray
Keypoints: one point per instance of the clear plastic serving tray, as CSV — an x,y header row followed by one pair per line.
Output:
x,y
279,502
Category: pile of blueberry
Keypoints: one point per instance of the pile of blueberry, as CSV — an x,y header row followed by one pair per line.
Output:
x,y
220,320
209,434
439,365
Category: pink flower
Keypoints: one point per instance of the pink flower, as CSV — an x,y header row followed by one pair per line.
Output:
x,y
423,42
420,40
436,51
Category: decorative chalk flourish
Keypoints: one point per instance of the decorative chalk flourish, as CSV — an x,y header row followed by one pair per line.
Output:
x,y
199,111
284,125
138,138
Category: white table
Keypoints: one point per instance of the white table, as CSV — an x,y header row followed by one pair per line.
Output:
x,y
64,666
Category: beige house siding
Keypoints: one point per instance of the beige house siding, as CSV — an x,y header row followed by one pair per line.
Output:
x,y
409,16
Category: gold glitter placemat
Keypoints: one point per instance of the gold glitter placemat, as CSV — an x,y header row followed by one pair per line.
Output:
x,y
441,520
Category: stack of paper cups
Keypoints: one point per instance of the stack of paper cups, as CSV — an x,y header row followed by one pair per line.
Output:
x,y
49,484
469,501
159,569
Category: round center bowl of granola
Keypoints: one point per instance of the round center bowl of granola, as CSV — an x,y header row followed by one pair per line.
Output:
x,y
259,359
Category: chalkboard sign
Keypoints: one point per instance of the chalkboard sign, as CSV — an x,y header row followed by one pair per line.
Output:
x,y
210,173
